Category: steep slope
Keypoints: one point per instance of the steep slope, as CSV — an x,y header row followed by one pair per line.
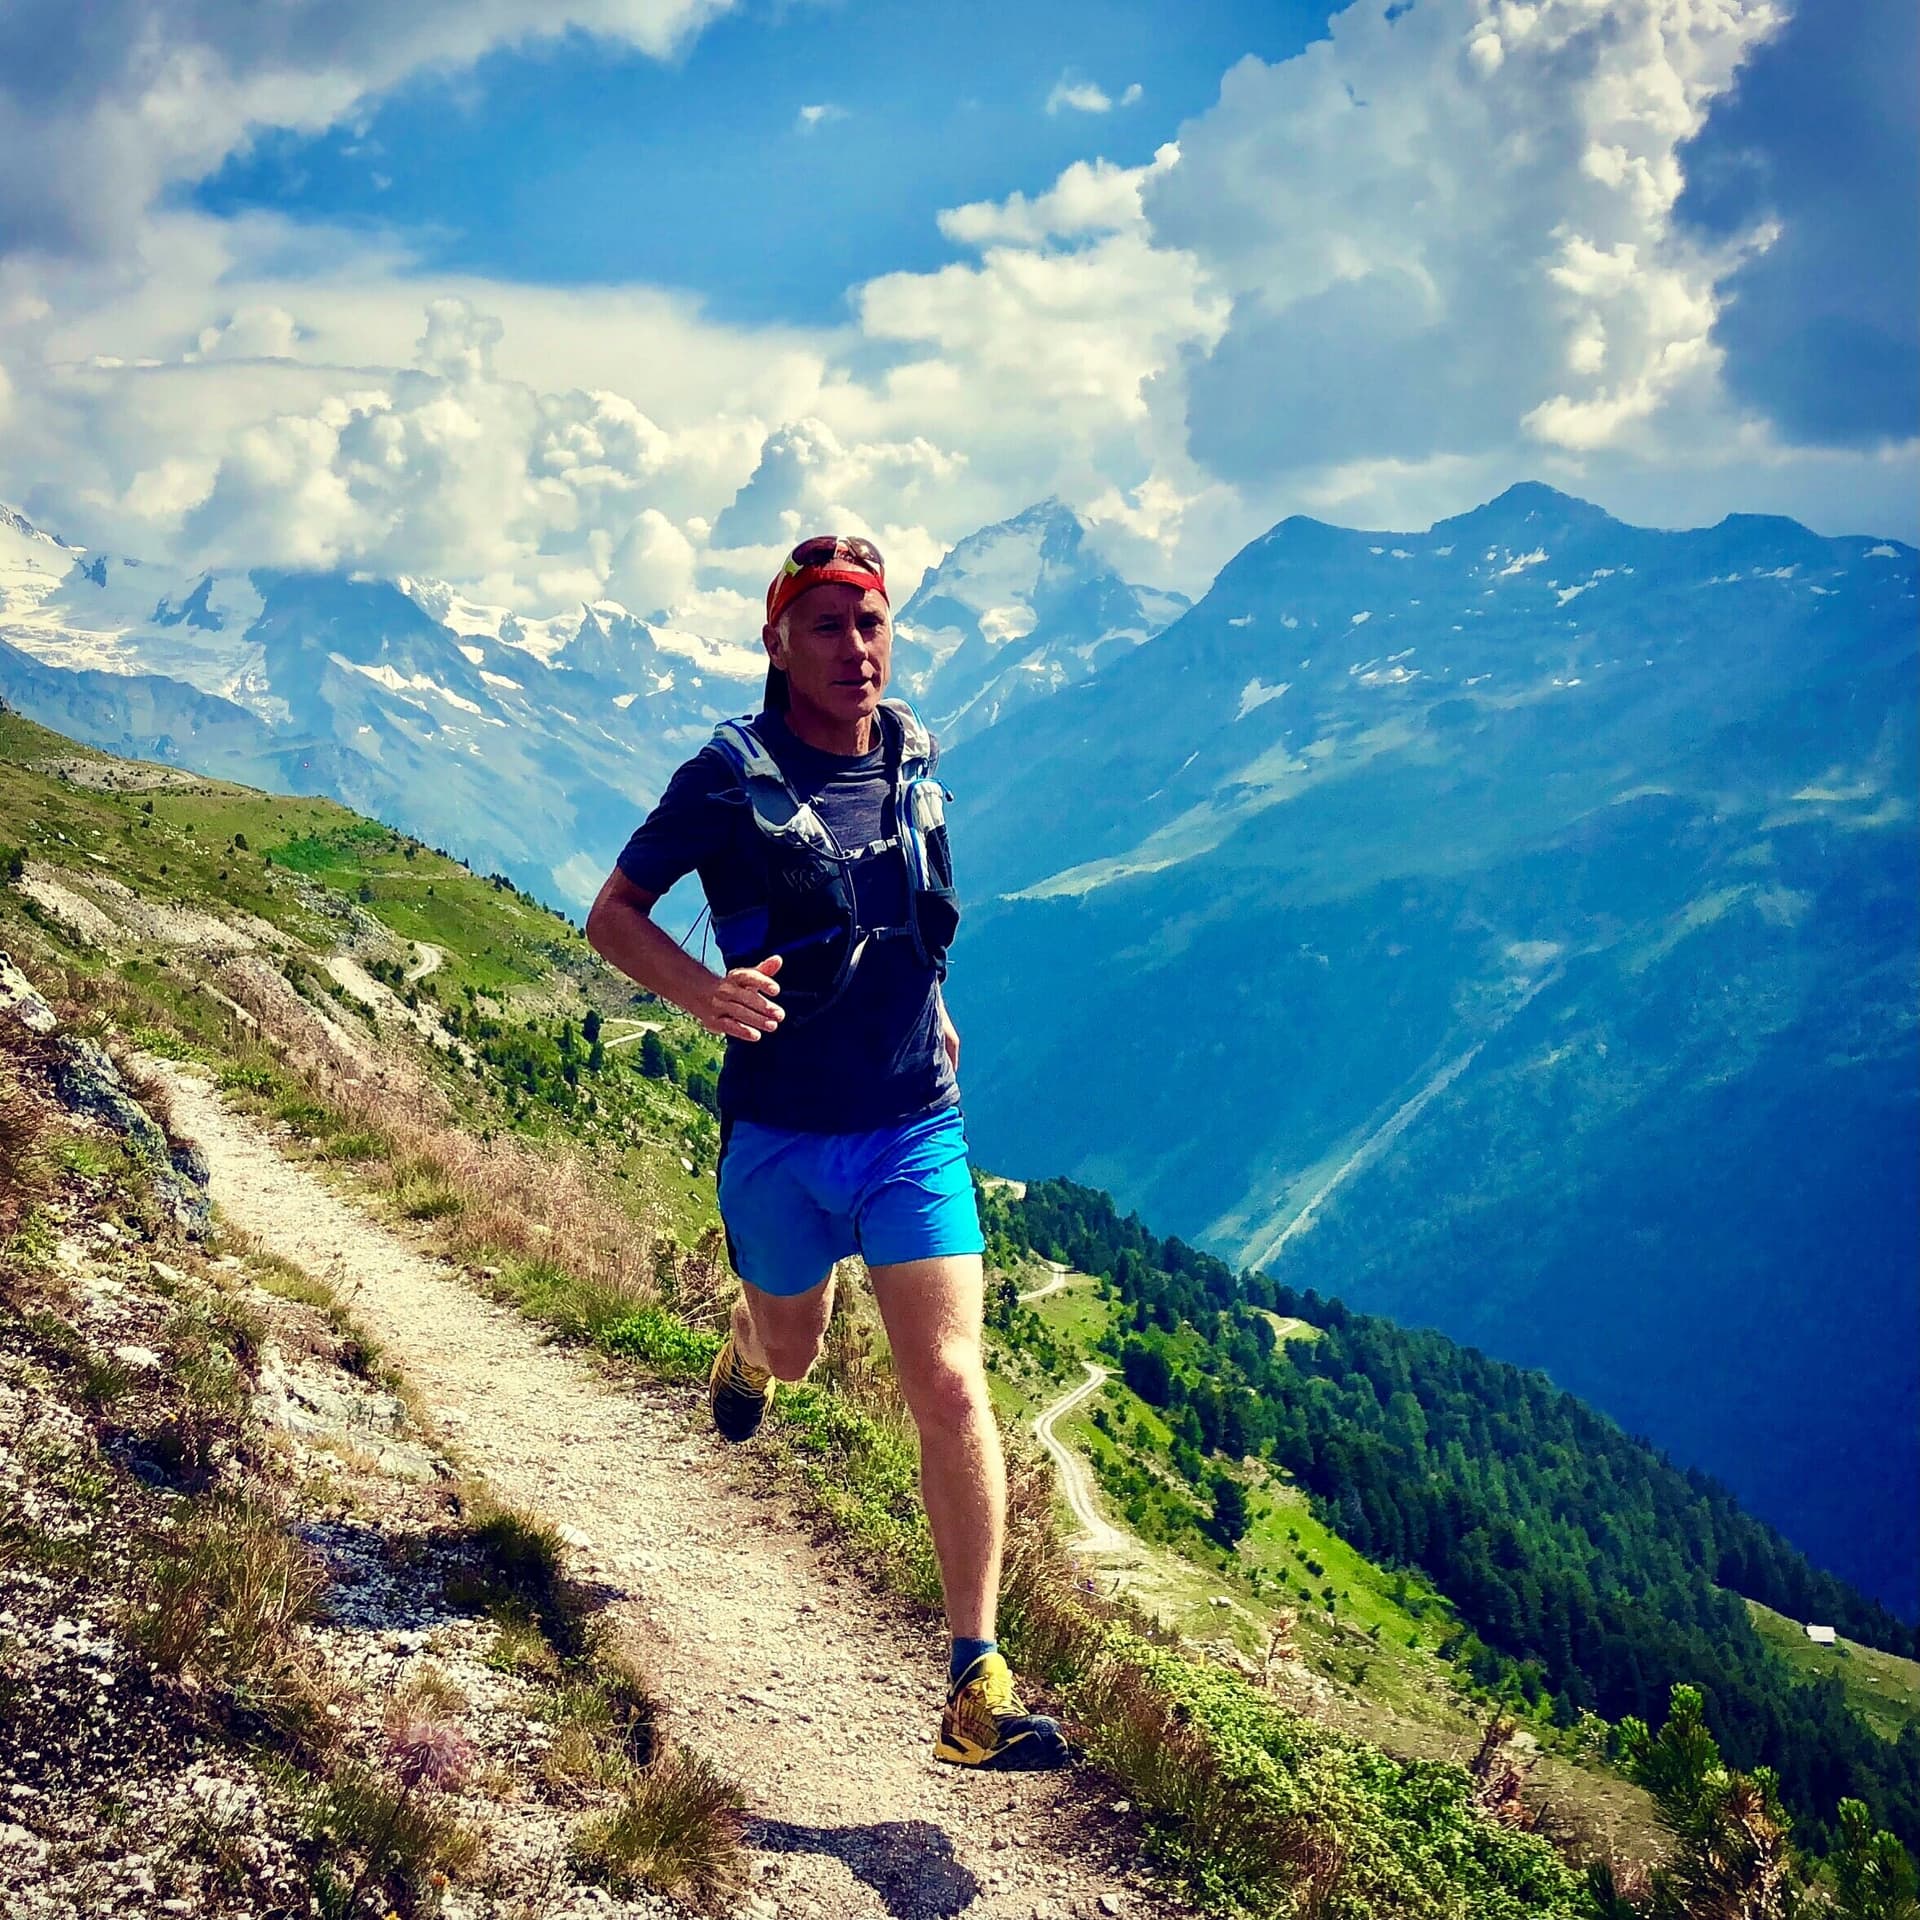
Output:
x,y
1510,928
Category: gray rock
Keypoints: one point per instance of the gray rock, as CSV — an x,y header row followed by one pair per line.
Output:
x,y
89,1083
22,1000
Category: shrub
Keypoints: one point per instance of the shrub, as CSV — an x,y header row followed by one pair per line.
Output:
x,y
662,1342
1262,1808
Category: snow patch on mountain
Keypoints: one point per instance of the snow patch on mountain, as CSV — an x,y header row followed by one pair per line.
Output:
x,y
1015,612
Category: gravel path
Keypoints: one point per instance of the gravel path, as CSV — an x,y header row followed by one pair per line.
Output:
x,y
1097,1535
819,1698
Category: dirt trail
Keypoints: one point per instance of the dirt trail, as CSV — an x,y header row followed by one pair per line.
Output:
x,y
1097,1535
427,959
787,1672
1059,1280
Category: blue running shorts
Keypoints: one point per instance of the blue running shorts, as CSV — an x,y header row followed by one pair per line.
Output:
x,y
794,1203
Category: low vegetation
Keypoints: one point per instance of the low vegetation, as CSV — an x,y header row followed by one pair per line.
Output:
x,y
514,1128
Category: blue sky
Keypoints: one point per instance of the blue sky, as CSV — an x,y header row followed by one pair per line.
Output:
x,y
586,162
577,299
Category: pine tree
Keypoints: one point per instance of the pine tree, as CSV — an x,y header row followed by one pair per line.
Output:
x,y
1731,1856
1873,1874
1229,1510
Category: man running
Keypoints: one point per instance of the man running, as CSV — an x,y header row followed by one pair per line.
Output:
x,y
819,837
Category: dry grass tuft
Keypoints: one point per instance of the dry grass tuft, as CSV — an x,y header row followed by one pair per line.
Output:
x,y
401,1831
516,1573
676,1830
149,1090
422,1191
24,1179
429,1689
226,1607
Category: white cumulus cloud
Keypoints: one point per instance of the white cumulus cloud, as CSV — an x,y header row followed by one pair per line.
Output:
x,y
101,110
1450,229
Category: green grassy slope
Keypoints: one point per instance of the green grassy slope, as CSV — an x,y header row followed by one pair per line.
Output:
x,y
1882,1688
136,853
514,985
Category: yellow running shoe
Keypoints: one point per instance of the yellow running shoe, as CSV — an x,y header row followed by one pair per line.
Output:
x,y
985,1725
738,1394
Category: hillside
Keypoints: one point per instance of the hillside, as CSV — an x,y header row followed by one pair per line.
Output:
x,y
1579,1569
393,1078
1476,918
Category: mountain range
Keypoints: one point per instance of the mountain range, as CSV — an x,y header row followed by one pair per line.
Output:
x,y
1509,927
531,746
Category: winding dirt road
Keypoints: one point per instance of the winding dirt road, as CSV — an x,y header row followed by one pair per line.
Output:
x,y
1097,1535
1054,1285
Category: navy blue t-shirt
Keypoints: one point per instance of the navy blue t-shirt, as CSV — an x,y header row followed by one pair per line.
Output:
x,y
874,1056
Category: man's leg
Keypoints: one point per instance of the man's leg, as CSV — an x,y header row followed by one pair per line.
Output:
x,y
781,1333
932,1310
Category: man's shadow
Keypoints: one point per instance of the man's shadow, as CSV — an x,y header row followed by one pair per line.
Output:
x,y
908,1863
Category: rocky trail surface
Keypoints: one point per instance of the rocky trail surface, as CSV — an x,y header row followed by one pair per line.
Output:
x,y
818,1696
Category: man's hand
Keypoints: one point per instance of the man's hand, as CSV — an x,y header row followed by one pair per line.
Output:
x,y
949,1038
742,1002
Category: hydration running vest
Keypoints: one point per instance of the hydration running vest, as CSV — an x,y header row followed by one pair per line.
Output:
x,y
808,913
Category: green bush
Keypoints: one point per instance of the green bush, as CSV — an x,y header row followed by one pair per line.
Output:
x,y
1263,1811
663,1342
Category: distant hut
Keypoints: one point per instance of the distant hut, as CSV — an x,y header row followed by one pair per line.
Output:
x,y
1821,1636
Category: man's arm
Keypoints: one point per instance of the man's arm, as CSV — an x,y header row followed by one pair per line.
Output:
x,y
741,1004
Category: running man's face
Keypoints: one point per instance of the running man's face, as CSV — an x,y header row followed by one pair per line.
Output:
x,y
835,645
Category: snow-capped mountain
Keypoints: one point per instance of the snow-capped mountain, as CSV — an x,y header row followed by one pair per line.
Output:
x,y
529,746
1014,613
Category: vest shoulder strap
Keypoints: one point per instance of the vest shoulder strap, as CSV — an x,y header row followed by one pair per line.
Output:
x,y
777,809
916,743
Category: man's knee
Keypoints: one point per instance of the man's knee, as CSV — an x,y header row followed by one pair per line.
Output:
x,y
791,1353
949,1391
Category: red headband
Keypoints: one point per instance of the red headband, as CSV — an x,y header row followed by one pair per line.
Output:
x,y
813,563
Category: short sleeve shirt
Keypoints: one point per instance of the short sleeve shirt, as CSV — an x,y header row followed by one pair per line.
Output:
x,y
872,1058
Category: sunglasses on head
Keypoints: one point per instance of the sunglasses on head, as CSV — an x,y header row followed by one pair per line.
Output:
x,y
827,548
